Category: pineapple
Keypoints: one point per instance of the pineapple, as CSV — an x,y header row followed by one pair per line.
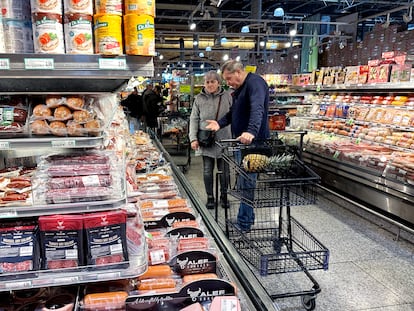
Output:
x,y
257,162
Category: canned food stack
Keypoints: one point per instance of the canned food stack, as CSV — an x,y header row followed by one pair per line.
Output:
x,y
47,26
15,27
108,27
139,31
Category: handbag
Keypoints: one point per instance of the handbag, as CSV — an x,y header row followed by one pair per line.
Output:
x,y
206,137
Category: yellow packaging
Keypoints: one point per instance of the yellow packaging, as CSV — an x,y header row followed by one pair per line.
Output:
x,y
108,34
139,7
139,35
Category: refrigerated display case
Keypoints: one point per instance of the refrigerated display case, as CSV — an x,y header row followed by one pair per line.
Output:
x,y
360,143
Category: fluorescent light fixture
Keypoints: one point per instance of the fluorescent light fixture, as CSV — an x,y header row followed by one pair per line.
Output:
x,y
208,48
245,29
195,43
201,54
193,26
288,45
273,46
238,58
262,43
278,12
293,30
226,57
223,40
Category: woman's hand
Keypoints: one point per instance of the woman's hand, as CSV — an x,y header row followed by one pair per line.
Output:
x,y
212,125
194,145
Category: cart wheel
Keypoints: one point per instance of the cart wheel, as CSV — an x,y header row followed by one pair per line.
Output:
x,y
309,302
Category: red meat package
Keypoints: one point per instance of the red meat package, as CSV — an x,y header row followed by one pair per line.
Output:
x,y
61,241
19,249
106,242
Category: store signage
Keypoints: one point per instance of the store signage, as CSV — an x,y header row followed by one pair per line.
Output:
x,y
4,63
39,63
112,63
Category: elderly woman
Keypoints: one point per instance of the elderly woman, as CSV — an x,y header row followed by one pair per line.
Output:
x,y
212,103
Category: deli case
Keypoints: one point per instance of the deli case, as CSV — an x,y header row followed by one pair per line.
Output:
x,y
69,242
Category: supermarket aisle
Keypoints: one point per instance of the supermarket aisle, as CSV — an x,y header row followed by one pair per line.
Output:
x,y
369,269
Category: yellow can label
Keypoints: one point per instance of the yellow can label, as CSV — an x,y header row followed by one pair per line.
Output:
x,y
108,34
139,34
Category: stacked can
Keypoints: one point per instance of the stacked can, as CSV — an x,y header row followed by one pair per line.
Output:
x,y
139,31
108,27
47,24
15,27
78,26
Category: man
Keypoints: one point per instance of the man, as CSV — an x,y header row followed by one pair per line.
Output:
x,y
248,117
133,103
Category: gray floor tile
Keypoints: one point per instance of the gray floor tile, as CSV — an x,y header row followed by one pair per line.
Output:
x,y
369,270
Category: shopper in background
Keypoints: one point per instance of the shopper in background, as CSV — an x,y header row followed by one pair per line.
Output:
x,y
152,107
249,121
133,103
211,101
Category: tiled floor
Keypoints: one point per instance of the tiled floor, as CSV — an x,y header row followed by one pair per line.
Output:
x,y
369,268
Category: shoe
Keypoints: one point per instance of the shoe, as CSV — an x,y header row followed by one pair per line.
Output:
x,y
224,201
240,229
210,203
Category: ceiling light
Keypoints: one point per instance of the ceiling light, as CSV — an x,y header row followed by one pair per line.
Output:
x,y
262,43
293,30
225,57
201,54
223,40
288,45
195,43
278,12
245,29
192,26
161,56
296,56
202,66
208,48
273,46
238,58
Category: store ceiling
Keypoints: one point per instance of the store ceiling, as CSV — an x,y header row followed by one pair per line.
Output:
x,y
216,19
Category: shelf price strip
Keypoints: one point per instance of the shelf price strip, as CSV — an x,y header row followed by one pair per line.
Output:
x,y
4,64
39,63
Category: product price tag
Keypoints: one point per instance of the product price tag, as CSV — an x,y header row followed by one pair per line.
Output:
x,y
39,63
8,214
63,143
4,64
66,280
4,145
112,63
18,285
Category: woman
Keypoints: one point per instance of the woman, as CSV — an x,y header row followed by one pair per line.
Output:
x,y
212,103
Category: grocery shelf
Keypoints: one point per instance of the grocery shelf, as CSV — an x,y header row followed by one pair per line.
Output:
x,y
50,142
67,73
137,265
374,87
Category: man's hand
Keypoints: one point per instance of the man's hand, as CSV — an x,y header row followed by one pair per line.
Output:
x,y
246,138
212,125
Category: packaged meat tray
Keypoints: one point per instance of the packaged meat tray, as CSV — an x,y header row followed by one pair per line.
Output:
x,y
13,116
75,177
65,116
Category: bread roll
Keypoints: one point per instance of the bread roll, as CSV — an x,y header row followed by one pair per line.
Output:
x,y
58,128
75,102
40,127
62,113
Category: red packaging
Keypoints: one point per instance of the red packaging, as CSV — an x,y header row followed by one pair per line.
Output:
x,y
61,239
106,242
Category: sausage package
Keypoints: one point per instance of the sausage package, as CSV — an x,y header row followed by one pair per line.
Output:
x,y
61,239
106,242
19,248
13,116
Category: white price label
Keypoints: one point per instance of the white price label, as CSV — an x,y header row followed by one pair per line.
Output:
x,y
63,143
4,64
4,145
112,63
66,280
109,276
8,214
22,284
39,63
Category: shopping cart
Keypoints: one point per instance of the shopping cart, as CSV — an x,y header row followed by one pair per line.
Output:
x,y
276,242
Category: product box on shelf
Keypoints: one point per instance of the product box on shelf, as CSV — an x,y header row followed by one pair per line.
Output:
x,y
14,111
351,74
400,73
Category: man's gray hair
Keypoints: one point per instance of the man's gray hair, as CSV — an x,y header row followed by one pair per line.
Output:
x,y
232,66
212,75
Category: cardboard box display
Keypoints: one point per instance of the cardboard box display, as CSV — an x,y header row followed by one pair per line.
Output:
x,y
363,74
372,74
351,74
